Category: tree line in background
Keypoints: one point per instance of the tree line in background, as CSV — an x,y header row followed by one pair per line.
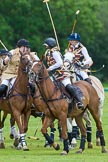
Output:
x,y
30,19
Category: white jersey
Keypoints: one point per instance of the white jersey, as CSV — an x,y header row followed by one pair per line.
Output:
x,y
58,60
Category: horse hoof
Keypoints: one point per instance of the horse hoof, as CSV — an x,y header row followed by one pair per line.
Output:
x,y
71,147
64,153
25,148
16,142
90,145
104,150
57,147
47,145
2,146
11,136
19,147
97,143
79,151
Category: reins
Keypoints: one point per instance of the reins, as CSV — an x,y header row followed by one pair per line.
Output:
x,y
14,88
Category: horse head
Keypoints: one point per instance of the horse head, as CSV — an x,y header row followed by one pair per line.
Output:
x,y
25,63
39,70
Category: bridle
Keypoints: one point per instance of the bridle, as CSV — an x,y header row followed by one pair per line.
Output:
x,y
38,75
25,67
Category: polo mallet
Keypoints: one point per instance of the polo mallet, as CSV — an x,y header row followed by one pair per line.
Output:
x,y
52,22
3,45
34,137
75,21
94,71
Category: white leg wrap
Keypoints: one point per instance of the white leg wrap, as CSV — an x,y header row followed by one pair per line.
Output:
x,y
22,136
14,132
1,136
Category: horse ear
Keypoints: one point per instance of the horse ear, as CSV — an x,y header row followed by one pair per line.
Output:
x,y
42,58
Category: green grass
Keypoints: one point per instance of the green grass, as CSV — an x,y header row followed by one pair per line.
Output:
x,y
38,153
105,84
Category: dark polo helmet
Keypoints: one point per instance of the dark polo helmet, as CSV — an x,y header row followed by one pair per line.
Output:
x,y
74,36
23,42
51,42
4,52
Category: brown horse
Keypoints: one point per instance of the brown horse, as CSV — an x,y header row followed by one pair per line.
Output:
x,y
19,101
58,108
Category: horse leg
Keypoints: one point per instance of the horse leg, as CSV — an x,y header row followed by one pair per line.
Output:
x,y
47,122
99,128
2,145
60,130
63,120
74,133
100,107
20,120
52,131
24,120
69,132
13,132
80,124
86,117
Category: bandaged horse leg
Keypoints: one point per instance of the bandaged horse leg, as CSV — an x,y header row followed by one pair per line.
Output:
x,y
46,123
13,131
22,143
1,139
79,121
60,130
69,131
52,131
101,102
74,133
86,117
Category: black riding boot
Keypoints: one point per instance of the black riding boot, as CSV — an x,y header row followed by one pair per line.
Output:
x,y
3,89
73,92
32,89
88,80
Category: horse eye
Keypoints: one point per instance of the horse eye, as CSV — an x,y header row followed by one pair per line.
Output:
x,y
39,65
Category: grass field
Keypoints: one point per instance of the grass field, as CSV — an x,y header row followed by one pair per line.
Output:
x,y
38,153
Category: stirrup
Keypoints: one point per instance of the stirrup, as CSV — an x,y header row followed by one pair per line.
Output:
x,y
80,105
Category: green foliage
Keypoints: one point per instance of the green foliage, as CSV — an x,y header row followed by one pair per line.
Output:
x,y
30,19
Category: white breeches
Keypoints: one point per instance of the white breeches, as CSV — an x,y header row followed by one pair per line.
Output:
x,y
66,81
9,83
83,74
5,82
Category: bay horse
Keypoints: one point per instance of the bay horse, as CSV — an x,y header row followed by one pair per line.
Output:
x,y
96,83
19,100
58,108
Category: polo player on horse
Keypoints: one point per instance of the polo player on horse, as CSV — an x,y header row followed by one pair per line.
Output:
x,y
79,51
55,64
13,62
